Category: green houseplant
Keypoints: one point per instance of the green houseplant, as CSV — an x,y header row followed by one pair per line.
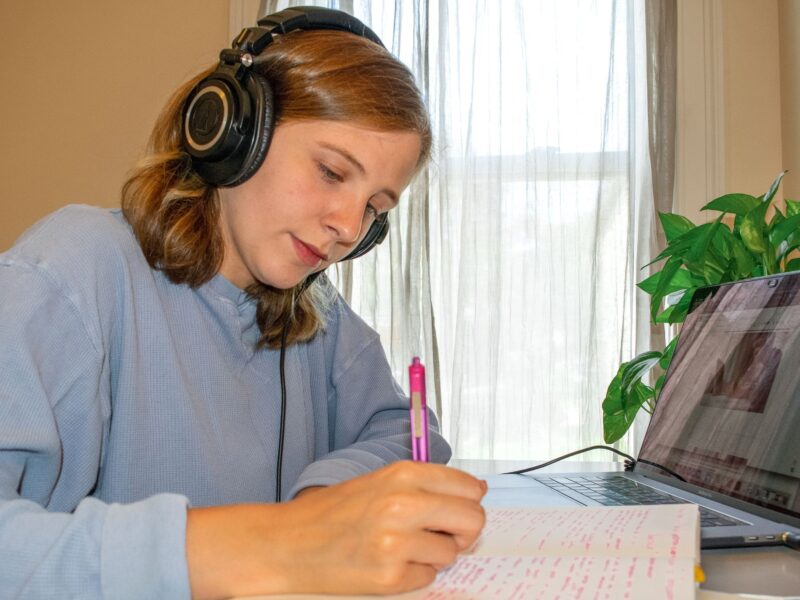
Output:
x,y
697,255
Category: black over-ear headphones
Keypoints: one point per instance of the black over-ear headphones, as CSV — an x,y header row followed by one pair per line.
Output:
x,y
229,116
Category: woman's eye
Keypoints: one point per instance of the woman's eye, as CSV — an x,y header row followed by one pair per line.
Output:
x,y
371,211
328,174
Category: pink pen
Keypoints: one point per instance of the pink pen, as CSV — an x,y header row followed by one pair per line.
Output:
x,y
419,411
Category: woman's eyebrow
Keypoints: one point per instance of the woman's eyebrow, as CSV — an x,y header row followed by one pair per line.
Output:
x,y
349,157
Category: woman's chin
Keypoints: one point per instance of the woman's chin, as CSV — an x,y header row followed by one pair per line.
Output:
x,y
286,282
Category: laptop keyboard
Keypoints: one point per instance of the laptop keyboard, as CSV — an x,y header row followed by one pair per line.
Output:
x,y
619,491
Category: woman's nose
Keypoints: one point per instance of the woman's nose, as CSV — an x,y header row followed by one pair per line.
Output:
x,y
346,219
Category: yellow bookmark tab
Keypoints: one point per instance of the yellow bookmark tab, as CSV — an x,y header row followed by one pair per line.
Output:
x,y
699,575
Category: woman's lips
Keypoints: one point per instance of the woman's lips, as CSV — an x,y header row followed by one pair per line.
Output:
x,y
308,254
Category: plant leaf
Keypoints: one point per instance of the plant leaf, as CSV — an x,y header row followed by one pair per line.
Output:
x,y
616,424
781,231
648,285
680,280
663,364
773,189
743,260
625,395
786,250
738,204
702,257
752,229
677,312
658,386
666,356
698,249
665,316
674,225
792,208
667,273
777,217
680,245
713,273
722,242
793,265
638,367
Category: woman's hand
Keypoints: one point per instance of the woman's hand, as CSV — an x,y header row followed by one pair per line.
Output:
x,y
385,532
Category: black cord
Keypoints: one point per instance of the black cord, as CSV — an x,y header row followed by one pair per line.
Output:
x,y
279,468
630,462
282,432
555,460
663,468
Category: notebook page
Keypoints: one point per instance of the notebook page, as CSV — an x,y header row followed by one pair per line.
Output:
x,y
640,531
551,578
547,577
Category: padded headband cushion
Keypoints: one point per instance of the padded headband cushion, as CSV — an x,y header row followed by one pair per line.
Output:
x,y
311,17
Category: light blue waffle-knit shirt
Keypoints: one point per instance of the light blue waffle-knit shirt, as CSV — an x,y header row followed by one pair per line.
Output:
x,y
125,397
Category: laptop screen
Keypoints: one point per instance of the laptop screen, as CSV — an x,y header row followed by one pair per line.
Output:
x,y
728,417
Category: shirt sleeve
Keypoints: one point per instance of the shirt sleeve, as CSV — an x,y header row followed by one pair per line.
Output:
x,y
55,540
371,424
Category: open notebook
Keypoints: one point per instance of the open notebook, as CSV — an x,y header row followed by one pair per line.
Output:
x,y
648,552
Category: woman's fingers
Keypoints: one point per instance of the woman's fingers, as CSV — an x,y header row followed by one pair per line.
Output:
x,y
434,478
410,560
460,518
402,578
418,499
438,550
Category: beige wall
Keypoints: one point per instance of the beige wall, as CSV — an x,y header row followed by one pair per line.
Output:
x,y
752,84
762,87
738,114
789,28
82,84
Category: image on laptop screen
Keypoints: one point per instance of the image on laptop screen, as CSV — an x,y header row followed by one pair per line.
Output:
x,y
728,417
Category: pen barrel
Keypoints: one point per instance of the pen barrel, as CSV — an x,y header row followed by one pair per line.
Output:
x,y
419,437
418,411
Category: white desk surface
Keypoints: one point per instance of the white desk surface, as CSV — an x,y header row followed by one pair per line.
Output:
x,y
772,571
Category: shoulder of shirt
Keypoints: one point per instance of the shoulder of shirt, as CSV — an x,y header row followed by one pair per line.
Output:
x,y
79,241
341,319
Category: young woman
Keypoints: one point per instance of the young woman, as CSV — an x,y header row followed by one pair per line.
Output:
x,y
165,368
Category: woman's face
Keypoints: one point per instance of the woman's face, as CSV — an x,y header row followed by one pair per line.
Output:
x,y
320,187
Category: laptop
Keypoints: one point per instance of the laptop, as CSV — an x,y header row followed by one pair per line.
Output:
x,y
725,433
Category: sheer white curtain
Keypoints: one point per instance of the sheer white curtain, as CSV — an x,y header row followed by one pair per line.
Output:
x,y
511,263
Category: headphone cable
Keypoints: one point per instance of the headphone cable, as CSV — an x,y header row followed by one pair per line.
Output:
x,y
282,430
282,369
630,462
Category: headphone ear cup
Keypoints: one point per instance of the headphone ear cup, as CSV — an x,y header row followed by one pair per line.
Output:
x,y
209,121
264,109
227,127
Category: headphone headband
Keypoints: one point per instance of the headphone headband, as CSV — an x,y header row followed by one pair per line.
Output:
x,y
308,17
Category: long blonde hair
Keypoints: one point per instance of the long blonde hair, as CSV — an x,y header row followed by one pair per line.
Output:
x,y
328,75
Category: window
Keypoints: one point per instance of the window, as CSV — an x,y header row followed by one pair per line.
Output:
x,y
511,264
